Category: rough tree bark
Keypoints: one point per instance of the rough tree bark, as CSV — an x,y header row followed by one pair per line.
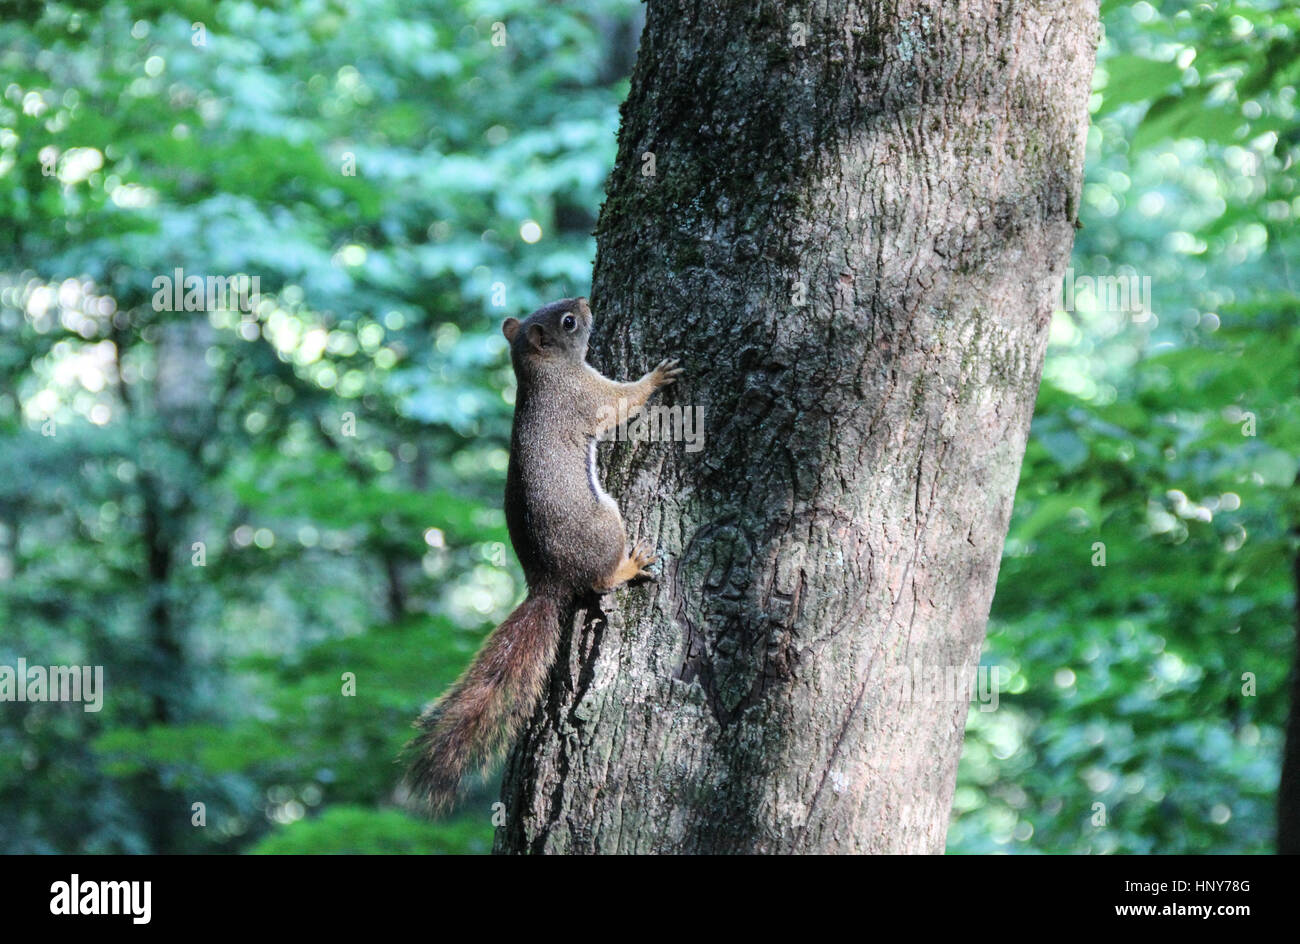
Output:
x,y
852,229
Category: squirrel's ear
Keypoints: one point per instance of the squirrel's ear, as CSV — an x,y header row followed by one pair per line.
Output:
x,y
510,327
536,337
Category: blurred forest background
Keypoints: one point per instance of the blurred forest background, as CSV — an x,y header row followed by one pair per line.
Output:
x,y
229,510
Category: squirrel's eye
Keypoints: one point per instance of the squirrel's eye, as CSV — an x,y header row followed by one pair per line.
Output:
x,y
570,322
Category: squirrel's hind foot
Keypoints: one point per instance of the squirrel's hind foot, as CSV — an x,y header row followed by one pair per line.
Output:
x,y
632,565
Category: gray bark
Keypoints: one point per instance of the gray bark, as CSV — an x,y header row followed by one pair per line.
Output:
x,y
854,245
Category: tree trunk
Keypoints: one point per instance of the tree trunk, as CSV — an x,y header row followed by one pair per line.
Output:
x,y
851,225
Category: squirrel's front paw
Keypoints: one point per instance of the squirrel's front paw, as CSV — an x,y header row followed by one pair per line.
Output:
x,y
667,372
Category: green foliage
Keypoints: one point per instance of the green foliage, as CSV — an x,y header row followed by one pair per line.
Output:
x,y
237,510
360,831
1170,436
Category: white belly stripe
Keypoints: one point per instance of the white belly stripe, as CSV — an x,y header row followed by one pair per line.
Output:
x,y
592,479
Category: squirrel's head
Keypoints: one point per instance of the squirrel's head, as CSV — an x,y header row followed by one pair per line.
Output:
x,y
558,330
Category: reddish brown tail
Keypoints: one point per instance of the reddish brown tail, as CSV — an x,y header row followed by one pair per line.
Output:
x,y
473,724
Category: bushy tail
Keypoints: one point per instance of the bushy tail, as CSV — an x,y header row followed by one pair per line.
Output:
x,y
473,724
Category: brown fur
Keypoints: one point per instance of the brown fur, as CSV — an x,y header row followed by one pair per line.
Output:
x,y
568,535
478,718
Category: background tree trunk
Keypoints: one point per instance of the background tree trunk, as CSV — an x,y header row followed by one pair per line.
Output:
x,y
1288,790
851,223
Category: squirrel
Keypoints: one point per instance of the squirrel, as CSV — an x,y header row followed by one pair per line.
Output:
x,y
568,534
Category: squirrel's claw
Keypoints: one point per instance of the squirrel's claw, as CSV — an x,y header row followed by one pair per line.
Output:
x,y
643,555
668,371
633,565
